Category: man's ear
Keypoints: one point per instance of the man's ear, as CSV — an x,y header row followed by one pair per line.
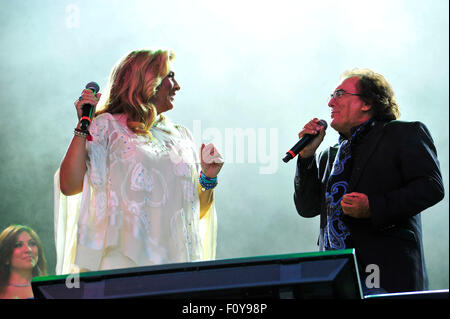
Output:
x,y
366,107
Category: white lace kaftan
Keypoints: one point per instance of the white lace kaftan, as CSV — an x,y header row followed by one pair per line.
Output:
x,y
139,205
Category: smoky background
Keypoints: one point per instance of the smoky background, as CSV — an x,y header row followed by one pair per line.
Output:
x,y
240,64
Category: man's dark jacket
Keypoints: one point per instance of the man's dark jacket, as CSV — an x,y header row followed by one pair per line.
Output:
x,y
396,166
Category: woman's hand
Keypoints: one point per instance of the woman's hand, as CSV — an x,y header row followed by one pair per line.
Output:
x,y
87,97
211,160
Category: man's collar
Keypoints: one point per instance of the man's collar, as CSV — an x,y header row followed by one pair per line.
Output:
x,y
354,130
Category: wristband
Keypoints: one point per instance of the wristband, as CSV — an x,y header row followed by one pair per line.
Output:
x,y
207,182
86,118
81,133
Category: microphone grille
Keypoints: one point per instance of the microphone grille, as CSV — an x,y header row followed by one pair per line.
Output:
x,y
93,86
323,123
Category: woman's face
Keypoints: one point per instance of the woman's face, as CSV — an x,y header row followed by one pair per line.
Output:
x,y
25,253
165,94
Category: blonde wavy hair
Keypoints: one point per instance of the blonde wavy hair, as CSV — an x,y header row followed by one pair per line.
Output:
x,y
132,83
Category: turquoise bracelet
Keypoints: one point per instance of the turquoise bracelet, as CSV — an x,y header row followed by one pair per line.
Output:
x,y
207,182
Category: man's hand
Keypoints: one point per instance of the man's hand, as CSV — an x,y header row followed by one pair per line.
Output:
x,y
356,205
312,127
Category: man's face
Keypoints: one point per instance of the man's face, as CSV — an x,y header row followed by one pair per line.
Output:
x,y
347,109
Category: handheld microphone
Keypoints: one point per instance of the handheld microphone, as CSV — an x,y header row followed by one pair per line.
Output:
x,y
305,140
88,108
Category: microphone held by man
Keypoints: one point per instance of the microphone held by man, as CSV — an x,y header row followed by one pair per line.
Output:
x,y
310,138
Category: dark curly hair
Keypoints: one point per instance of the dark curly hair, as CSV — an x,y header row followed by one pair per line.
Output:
x,y
377,92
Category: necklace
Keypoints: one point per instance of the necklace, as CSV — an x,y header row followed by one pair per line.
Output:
x,y
21,285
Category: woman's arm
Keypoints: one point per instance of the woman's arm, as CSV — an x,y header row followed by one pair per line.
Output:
x,y
73,166
206,199
211,163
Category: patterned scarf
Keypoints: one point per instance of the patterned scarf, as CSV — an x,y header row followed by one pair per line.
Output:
x,y
336,232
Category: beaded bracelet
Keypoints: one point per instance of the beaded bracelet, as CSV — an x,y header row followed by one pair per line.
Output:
x,y
207,182
83,133
80,133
